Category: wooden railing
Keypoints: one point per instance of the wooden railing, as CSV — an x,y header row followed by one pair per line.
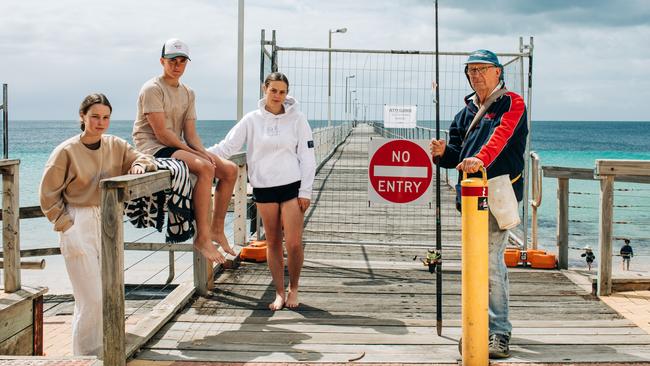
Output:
x,y
607,171
327,139
116,191
10,224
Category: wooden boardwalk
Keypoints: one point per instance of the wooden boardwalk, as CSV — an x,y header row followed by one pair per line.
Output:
x,y
364,298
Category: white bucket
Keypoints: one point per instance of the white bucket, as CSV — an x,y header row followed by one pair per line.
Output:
x,y
503,202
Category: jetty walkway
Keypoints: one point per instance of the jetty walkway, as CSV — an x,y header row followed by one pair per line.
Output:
x,y
364,298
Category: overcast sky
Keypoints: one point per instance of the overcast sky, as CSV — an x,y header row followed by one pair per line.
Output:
x,y
592,59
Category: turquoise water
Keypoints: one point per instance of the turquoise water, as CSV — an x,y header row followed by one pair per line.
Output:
x,y
579,144
572,144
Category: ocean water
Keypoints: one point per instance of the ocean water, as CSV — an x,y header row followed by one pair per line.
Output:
x,y
570,144
579,144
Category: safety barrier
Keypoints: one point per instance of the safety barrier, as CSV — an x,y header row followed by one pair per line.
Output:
x,y
336,86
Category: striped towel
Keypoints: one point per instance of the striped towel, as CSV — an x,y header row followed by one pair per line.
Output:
x,y
149,211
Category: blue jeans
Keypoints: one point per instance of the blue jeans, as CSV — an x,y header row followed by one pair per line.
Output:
x,y
498,279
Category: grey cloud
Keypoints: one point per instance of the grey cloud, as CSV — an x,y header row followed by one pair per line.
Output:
x,y
608,13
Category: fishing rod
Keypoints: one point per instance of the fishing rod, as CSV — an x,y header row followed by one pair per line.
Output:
x,y
438,223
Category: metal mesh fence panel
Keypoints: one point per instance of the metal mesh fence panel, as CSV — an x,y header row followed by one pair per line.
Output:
x,y
362,83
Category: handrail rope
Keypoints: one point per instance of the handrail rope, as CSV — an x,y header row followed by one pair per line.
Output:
x,y
579,221
615,206
597,194
159,290
623,195
176,259
552,237
150,253
157,273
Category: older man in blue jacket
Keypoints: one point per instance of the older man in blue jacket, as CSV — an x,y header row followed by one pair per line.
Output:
x,y
497,142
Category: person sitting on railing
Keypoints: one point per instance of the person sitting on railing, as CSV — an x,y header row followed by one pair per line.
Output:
x,y
69,197
165,127
627,253
281,169
495,140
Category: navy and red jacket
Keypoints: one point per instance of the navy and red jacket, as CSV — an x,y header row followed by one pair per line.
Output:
x,y
499,139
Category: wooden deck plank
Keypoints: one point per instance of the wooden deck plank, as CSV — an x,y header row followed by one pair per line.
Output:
x,y
405,354
288,317
362,328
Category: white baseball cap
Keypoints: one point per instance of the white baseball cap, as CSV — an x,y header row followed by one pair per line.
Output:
x,y
175,48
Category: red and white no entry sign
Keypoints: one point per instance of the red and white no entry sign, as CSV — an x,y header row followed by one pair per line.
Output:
x,y
399,171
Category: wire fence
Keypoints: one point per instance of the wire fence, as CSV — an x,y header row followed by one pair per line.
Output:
x,y
339,86
631,221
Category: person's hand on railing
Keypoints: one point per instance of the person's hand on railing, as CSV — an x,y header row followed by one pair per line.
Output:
x,y
136,169
437,147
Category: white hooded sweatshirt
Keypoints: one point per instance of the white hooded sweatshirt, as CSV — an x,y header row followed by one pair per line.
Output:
x,y
280,148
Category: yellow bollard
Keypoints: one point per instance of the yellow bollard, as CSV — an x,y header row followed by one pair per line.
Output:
x,y
474,193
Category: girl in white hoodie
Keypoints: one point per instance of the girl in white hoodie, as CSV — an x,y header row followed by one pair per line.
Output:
x,y
281,168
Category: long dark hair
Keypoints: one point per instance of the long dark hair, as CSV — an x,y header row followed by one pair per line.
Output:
x,y
276,76
89,101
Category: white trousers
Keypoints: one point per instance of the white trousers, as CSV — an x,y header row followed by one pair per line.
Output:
x,y
81,249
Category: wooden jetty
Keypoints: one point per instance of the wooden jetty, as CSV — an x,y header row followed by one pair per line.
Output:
x,y
364,298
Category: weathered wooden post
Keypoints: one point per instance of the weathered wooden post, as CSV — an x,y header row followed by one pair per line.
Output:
x,y
10,224
563,222
605,235
112,275
239,224
114,192
202,273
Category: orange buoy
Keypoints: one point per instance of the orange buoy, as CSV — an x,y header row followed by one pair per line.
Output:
x,y
254,252
531,253
543,261
511,257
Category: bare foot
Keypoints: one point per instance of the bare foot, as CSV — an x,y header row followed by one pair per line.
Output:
x,y
223,241
292,299
278,303
209,251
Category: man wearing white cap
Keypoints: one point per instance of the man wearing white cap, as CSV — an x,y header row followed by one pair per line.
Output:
x,y
490,131
165,127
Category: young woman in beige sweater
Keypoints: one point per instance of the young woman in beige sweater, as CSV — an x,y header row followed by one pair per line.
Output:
x,y
70,194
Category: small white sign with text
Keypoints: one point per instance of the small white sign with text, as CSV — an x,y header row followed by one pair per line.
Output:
x,y
400,116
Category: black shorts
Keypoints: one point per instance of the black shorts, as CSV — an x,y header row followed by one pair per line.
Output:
x,y
277,194
165,152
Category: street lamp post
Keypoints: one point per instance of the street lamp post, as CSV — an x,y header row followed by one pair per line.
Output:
x,y
329,75
355,97
346,94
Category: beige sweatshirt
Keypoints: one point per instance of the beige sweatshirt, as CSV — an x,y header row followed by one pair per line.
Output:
x,y
73,171
177,102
